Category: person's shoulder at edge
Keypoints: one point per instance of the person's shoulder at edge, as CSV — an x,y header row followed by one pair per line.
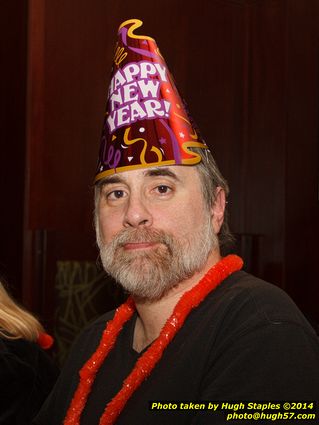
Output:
x,y
23,356
27,376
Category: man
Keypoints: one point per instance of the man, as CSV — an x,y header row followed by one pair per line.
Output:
x,y
197,339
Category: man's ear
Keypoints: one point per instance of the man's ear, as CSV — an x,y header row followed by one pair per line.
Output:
x,y
218,209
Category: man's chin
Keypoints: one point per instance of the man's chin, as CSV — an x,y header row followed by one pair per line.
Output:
x,y
146,292
143,280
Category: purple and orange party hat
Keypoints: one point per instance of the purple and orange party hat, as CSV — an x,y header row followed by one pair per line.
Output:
x,y
146,122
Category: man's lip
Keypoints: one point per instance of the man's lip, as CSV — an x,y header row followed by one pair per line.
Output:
x,y
139,245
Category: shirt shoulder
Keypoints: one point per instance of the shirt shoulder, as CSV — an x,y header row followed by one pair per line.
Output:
x,y
244,303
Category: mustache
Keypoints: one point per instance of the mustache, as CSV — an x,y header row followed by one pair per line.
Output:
x,y
141,235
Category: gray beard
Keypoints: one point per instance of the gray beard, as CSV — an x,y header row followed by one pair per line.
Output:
x,y
149,275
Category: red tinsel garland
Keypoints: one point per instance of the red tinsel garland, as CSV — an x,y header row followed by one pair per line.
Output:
x,y
146,363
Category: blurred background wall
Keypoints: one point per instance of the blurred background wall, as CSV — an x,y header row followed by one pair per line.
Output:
x,y
249,71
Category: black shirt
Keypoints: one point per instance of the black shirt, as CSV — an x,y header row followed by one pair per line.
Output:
x,y
247,341
27,375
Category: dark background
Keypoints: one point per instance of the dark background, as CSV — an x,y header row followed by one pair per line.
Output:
x,y
249,71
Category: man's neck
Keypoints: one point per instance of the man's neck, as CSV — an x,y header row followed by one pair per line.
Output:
x,y
152,316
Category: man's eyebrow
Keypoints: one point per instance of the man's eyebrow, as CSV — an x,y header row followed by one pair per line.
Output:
x,y
110,180
161,171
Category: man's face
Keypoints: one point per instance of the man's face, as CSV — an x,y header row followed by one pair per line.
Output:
x,y
154,229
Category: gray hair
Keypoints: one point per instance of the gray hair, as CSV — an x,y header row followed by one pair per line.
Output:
x,y
211,178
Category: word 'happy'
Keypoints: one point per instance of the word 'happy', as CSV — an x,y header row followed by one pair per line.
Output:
x,y
134,94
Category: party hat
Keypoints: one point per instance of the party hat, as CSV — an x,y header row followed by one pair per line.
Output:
x,y
146,122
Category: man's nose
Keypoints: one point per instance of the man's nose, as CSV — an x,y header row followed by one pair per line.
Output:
x,y
137,213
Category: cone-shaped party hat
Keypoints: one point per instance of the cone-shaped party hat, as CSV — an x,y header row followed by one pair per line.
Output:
x,y
146,122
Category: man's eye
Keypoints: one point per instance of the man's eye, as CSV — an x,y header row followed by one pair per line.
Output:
x,y
163,189
116,194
